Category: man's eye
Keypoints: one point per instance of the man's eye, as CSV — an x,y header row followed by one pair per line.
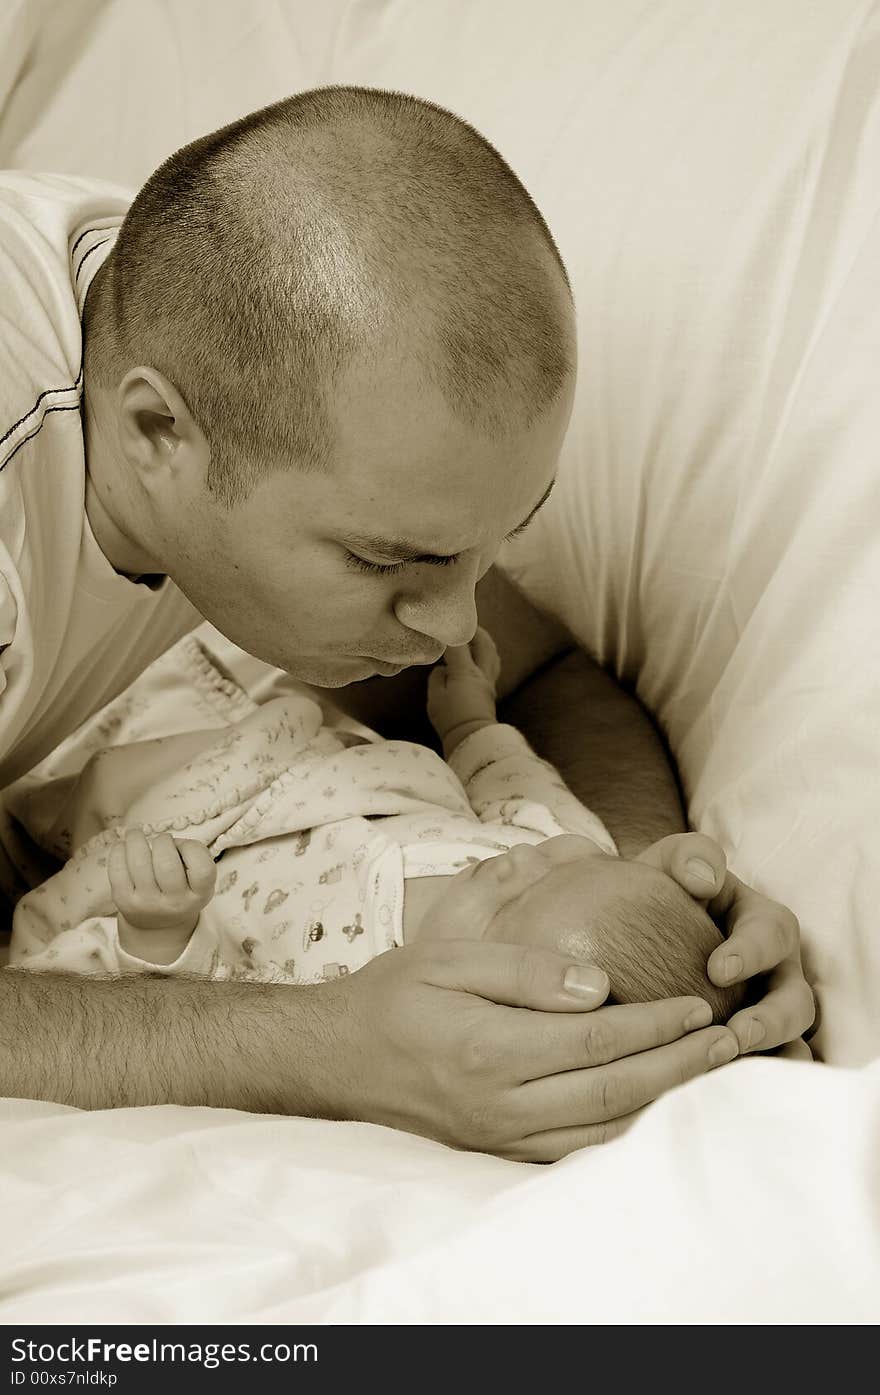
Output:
x,y
360,564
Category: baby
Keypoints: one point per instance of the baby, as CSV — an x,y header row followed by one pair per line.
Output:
x,y
315,847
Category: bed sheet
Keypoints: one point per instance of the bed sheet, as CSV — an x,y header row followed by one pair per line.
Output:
x,y
748,1197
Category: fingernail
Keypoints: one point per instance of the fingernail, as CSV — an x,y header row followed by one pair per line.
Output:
x,y
731,968
585,982
755,1034
699,1017
722,1050
701,871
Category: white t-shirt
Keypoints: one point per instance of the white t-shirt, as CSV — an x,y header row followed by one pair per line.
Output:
x,y
73,632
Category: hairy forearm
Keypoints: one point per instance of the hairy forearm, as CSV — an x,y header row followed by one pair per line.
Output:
x,y
605,746
108,1043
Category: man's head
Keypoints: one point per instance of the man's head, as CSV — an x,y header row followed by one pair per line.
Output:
x,y
651,938
332,349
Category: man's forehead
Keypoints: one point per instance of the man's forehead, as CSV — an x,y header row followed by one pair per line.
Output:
x,y
388,433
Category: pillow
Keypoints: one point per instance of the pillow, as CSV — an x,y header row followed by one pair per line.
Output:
x,y
19,26
112,87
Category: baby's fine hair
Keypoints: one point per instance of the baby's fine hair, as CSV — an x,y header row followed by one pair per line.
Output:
x,y
655,944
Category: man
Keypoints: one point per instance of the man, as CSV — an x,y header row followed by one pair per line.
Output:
x,y
326,366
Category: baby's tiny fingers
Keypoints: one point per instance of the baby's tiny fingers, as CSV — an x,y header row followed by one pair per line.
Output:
x,y
485,654
121,886
139,858
201,870
438,679
168,868
458,659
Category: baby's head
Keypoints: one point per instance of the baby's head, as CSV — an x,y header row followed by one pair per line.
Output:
x,y
651,938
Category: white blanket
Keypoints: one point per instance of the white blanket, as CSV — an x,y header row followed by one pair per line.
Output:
x,y
748,1197
710,173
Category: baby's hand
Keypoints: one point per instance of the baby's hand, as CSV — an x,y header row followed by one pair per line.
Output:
x,y
159,890
461,689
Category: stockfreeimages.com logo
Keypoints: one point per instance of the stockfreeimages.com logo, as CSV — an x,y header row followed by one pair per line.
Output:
x,y
93,1351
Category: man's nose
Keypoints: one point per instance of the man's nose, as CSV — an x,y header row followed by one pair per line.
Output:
x,y
444,608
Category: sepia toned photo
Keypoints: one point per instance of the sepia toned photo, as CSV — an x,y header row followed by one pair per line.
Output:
x,y
439,674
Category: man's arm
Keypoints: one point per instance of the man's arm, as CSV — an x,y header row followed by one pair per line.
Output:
x,y
605,746
106,1043
579,718
403,1042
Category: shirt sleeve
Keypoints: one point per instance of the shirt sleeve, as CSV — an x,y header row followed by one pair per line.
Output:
x,y
506,782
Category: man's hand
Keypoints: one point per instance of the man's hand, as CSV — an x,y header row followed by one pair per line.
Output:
x,y
461,689
433,1039
762,938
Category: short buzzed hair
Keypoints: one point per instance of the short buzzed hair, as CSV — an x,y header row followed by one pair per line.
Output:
x,y
655,943
256,263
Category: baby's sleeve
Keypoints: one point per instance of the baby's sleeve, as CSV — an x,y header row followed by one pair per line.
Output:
x,y
93,947
507,783
200,956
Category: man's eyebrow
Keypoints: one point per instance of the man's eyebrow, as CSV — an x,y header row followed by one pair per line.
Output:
x,y
403,551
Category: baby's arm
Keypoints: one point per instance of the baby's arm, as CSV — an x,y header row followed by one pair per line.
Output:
x,y
504,779
159,890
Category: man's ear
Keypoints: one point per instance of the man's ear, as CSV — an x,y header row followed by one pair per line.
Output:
x,y
159,435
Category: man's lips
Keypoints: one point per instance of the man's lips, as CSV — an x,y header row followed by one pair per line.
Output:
x,y
402,663
385,670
